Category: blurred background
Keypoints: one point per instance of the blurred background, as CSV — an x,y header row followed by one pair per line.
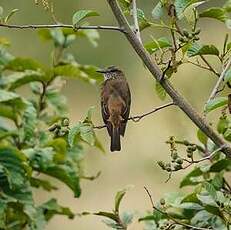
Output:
x,y
144,143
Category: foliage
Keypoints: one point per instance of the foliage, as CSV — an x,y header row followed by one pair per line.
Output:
x,y
36,136
40,140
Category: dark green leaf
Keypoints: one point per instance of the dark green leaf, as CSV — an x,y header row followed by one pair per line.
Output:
x,y
224,164
197,49
67,171
14,173
109,215
51,208
187,180
40,183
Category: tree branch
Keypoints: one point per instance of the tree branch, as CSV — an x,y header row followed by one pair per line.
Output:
x,y
135,19
50,26
137,118
178,99
221,78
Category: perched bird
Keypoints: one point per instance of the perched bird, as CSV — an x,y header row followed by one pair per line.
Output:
x,y
115,104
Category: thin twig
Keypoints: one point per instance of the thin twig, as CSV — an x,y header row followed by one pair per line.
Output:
x,y
209,66
135,19
199,65
169,216
137,118
49,26
209,157
221,78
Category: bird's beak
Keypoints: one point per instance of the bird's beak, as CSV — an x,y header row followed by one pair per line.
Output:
x,y
101,71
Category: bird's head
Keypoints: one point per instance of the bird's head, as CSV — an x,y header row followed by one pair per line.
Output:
x,y
110,72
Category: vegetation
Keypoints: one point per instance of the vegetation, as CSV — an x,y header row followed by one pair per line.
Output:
x,y
36,135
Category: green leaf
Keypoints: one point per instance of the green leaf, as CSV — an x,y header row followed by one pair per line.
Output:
x,y
58,37
7,111
18,79
160,91
157,12
228,76
181,5
216,103
198,49
118,198
14,173
216,13
202,137
218,181
207,200
51,208
143,21
189,12
67,171
210,189
85,73
22,64
73,134
45,34
223,124
109,215
3,211
82,14
6,96
125,4
40,183
227,134
190,206
187,180
29,122
57,102
158,44
192,198
224,164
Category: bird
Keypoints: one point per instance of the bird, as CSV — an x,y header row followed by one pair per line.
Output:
x,y
115,104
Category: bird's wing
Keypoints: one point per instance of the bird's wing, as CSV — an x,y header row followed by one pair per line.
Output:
x,y
124,92
104,107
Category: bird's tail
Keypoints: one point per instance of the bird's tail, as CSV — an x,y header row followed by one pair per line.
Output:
x,y
115,139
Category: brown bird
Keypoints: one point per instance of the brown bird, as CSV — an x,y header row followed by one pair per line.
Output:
x,y
115,104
